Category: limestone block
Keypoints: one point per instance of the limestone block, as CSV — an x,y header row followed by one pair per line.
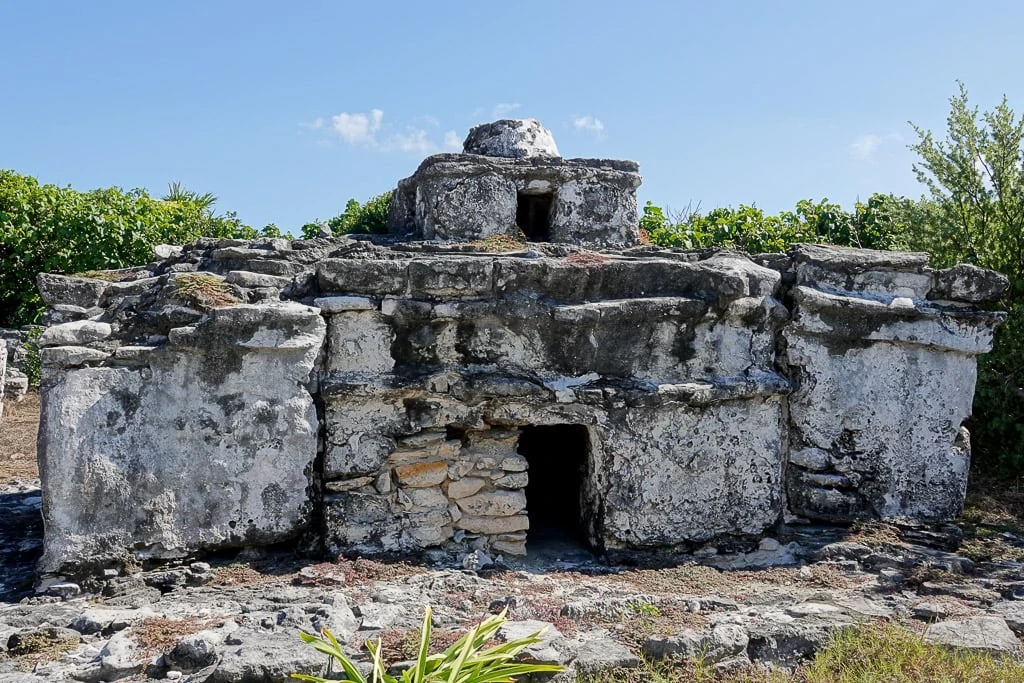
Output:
x,y
70,356
367,277
463,488
65,289
244,278
493,503
338,304
690,473
358,434
969,283
855,318
361,520
516,480
359,341
431,497
988,634
362,453
515,463
422,474
76,333
890,413
509,547
209,446
493,525
466,208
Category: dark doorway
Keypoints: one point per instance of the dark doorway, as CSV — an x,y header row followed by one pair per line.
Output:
x,y
533,215
557,456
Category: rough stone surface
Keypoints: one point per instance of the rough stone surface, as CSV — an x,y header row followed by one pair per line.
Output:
x,y
886,379
508,167
511,138
990,634
75,333
254,657
209,444
966,282
238,619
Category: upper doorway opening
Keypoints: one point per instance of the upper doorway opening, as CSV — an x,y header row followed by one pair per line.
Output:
x,y
533,215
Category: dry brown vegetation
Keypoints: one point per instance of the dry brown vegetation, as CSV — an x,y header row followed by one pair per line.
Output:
x,y
585,259
157,634
204,291
18,428
498,243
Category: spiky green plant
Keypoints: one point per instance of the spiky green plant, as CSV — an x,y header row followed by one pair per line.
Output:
x,y
466,661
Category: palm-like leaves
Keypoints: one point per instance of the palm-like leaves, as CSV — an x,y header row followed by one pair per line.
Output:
x,y
466,661
176,192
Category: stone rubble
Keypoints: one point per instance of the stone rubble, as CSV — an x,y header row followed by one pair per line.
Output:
x,y
229,622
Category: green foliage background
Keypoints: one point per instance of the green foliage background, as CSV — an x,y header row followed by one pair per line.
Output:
x,y
46,228
879,223
368,218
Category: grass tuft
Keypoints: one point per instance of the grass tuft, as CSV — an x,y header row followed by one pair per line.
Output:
x,y
892,653
204,291
871,653
498,243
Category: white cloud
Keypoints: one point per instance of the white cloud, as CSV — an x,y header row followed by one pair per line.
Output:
x,y
413,140
358,128
452,141
504,109
866,147
368,129
589,124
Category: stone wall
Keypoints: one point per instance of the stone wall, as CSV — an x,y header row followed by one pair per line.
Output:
x,y
383,396
14,351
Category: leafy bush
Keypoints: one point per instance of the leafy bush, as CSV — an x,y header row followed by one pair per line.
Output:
x,y
46,228
466,661
879,223
368,218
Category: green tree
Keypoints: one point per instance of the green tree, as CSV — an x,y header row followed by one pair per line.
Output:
x,y
975,178
46,228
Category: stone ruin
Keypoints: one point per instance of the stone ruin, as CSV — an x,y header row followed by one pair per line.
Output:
x,y
428,392
13,360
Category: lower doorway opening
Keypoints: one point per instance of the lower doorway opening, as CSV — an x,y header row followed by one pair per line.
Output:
x,y
558,457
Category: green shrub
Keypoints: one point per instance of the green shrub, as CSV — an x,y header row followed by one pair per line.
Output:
x,y
368,218
46,228
879,223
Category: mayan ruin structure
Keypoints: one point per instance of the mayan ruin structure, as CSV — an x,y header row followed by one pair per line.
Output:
x,y
509,364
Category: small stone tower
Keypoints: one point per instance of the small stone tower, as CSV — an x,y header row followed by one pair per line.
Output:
x,y
510,180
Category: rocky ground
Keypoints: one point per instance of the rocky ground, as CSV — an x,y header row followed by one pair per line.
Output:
x,y
237,618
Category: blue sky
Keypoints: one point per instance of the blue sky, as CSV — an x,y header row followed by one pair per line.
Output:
x,y
284,112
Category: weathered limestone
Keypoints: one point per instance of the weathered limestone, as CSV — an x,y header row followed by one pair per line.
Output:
x,y
391,395
205,442
14,356
511,181
510,138
886,380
